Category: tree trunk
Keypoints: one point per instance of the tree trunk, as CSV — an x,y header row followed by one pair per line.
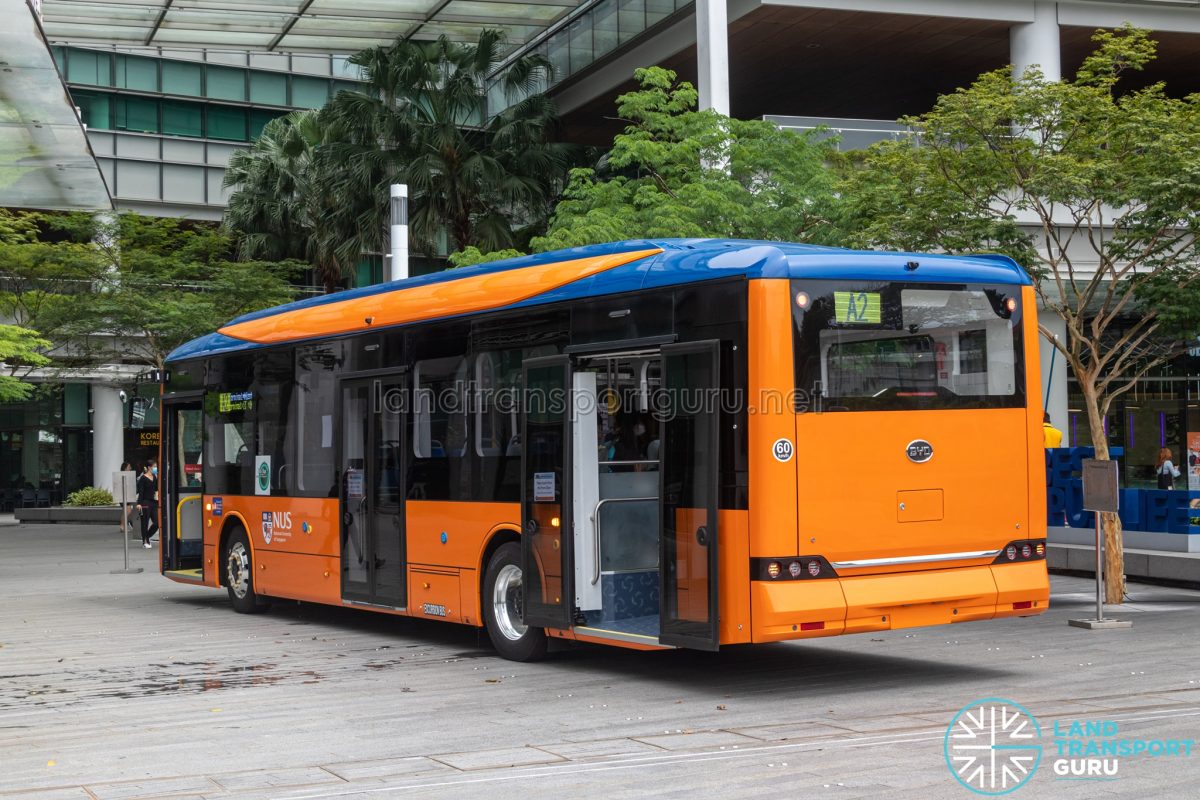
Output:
x,y
1110,523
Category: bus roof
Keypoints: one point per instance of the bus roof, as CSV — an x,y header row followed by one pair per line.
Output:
x,y
581,272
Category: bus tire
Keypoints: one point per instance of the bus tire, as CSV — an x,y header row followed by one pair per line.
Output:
x,y
502,585
239,575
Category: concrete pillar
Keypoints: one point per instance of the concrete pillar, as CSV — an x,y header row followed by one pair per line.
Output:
x,y
108,434
1054,374
712,55
1037,42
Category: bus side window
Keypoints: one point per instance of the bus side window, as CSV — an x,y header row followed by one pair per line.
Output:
x,y
441,460
313,431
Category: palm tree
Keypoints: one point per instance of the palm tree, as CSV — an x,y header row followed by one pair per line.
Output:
x,y
422,120
283,205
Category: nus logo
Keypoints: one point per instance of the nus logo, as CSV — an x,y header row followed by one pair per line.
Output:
x,y
275,522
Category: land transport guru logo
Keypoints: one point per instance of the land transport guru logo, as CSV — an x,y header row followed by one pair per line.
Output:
x,y
993,746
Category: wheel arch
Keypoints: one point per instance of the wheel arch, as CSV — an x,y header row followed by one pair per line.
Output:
x,y
233,521
502,534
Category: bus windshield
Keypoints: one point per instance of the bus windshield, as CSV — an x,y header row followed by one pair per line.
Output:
x,y
875,346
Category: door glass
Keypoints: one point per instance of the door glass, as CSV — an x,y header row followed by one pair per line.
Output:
x,y
356,416
188,444
546,541
387,516
689,524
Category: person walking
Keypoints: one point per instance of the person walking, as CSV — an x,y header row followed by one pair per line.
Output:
x,y
1167,472
147,498
1051,435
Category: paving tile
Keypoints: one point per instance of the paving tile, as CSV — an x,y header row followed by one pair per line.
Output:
x,y
699,739
495,759
165,787
599,749
789,731
59,793
385,768
309,776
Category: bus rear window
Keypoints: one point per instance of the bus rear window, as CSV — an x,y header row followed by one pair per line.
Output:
x,y
895,346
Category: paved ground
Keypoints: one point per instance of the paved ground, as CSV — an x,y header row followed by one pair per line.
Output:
x,y
130,686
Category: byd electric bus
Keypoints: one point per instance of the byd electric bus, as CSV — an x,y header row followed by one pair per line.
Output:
x,y
649,444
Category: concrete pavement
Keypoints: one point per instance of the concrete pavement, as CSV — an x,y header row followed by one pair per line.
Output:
x,y
131,686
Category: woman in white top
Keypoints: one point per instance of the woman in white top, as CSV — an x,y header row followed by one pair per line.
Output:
x,y
1167,473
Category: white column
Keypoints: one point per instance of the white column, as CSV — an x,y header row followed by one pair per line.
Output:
x,y
398,232
1037,42
712,55
1054,374
108,434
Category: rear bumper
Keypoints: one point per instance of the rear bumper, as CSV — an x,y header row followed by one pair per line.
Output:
x,y
811,608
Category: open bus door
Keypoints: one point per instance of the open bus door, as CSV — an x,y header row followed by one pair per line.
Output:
x,y
688,558
181,489
547,542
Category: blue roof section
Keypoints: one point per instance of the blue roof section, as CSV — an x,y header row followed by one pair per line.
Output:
x,y
682,261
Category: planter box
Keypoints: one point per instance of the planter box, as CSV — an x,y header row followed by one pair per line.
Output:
x,y
76,515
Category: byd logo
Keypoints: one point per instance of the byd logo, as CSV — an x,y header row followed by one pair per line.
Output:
x,y
992,746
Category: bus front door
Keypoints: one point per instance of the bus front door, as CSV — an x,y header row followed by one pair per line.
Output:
x,y
688,558
181,489
373,552
547,544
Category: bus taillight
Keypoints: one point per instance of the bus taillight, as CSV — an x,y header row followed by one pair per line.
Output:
x,y
1011,552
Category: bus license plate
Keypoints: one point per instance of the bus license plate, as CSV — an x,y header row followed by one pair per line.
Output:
x,y
434,610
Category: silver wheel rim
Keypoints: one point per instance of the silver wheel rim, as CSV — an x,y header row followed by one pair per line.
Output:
x,y
238,570
506,602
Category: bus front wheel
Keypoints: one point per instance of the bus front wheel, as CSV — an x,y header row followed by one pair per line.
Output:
x,y
239,576
502,586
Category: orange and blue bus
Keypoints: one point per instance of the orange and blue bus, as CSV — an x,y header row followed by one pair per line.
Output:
x,y
648,444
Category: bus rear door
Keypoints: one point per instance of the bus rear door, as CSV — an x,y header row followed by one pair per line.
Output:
x,y
547,543
688,595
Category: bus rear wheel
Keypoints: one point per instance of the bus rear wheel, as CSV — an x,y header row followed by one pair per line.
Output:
x,y
503,583
239,576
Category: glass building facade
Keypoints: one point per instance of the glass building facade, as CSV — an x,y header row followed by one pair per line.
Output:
x,y
1160,411
164,126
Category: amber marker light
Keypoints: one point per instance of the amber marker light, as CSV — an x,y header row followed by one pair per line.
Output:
x,y
773,569
554,522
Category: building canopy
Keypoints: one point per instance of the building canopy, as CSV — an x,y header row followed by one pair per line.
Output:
x,y
45,159
325,26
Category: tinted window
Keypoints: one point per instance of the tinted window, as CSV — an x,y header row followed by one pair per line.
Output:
x,y
274,445
439,450
892,346
313,421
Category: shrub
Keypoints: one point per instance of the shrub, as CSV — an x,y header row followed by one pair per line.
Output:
x,y
90,496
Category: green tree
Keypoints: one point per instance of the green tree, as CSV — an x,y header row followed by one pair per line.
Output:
x,y
167,281
315,184
1095,188
422,120
676,171
285,206
20,350
48,267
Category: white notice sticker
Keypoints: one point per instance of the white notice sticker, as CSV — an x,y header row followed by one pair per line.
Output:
x,y
543,487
